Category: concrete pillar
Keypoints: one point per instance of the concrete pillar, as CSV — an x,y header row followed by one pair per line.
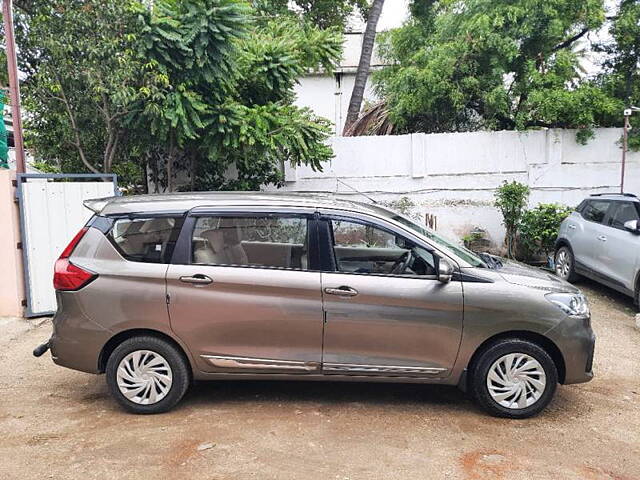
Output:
x,y
11,277
418,141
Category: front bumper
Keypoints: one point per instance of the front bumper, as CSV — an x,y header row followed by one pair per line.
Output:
x,y
576,341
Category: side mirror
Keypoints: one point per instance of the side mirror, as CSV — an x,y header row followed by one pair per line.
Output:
x,y
445,270
632,226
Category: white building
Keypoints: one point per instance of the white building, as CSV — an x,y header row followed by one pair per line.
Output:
x,y
328,95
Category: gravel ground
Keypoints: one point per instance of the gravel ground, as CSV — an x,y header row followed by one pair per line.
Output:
x,y
61,424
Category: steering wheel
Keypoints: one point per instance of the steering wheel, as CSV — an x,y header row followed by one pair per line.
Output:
x,y
402,263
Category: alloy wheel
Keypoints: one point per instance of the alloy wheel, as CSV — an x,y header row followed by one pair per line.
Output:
x,y
563,264
516,381
144,377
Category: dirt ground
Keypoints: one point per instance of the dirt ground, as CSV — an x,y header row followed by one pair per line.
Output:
x,y
61,424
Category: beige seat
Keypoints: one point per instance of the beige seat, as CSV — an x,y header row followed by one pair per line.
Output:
x,y
232,242
223,247
213,252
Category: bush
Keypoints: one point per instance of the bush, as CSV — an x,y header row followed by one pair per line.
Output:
x,y
539,228
511,199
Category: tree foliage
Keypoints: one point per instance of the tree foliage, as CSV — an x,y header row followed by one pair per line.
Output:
x,y
500,64
196,93
321,13
84,72
539,228
511,199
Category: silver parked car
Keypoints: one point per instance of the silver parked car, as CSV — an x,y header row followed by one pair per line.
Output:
x,y
158,291
601,240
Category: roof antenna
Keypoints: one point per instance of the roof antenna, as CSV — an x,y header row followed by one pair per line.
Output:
x,y
373,200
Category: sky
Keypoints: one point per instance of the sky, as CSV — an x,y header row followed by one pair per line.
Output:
x,y
394,13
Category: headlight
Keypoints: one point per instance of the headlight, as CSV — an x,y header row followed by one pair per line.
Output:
x,y
574,304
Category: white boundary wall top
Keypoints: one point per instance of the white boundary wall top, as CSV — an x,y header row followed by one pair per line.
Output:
x,y
454,175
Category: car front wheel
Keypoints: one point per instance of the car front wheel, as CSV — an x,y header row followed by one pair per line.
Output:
x,y
147,375
513,378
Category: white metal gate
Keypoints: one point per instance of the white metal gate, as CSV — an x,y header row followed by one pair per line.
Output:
x,y
51,213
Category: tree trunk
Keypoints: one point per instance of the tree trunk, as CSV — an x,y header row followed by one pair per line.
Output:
x,y
364,65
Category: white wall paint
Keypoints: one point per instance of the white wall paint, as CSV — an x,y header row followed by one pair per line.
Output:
x,y
454,175
329,97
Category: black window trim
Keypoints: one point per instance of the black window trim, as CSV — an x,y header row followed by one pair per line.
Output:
x,y
328,242
182,253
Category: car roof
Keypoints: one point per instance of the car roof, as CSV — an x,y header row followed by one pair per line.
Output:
x,y
182,202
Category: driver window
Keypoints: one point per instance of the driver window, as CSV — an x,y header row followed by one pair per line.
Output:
x,y
364,248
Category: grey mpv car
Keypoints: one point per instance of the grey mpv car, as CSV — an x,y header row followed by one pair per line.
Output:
x,y
159,291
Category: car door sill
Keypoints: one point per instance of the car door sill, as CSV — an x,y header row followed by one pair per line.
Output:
x,y
349,368
602,278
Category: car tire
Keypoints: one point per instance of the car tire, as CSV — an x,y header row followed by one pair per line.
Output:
x,y
147,375
520,392
565,264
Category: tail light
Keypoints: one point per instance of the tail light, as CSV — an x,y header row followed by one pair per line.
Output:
x,y
66,275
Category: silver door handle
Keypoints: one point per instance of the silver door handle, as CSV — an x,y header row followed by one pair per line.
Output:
x,y
572,227
197,279
602,238
342,291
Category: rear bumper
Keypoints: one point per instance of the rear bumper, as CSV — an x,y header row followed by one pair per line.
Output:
x,y
576,341
76,341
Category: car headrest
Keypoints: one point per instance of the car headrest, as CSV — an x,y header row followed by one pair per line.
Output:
x,y
215,239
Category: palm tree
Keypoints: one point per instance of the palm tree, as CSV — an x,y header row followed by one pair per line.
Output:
x,y
364,64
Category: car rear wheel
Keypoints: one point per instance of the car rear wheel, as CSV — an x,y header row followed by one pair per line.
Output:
x,y
147,375
513,378
565,264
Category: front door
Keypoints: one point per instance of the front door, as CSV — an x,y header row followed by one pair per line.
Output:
x,y
246,300
588,240
386,312
618,263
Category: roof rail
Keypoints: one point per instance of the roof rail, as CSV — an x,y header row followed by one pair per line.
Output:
x,y
615,194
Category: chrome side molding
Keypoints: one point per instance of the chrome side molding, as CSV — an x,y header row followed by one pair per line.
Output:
x,y
380,369
249,363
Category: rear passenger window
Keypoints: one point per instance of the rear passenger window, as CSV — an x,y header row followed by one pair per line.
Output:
x,y
624,212
595,210
149,240
257,241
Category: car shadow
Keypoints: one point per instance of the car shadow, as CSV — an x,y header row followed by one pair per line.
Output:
x,y
325,393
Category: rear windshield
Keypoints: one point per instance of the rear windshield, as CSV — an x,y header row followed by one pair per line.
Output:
x,y
149,240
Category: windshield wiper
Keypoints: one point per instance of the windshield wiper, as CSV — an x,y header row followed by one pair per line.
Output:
x,y
491,261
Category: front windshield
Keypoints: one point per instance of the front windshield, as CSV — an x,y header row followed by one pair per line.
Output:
x,y
462,252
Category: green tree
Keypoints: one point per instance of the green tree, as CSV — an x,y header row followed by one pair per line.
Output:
x,y
83,73
228,114
195,94
621,76
493,64
511,199
539,228
321,13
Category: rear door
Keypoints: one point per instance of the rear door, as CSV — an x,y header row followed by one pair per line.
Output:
x,y
246,297
620,257
381,318
589,235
